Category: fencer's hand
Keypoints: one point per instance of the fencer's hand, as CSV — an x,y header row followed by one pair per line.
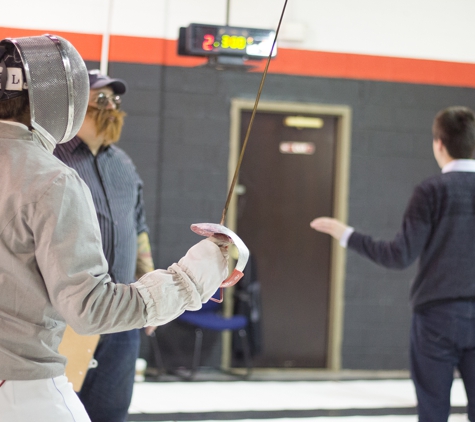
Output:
x,y
150,330
222,241
185,285
330,226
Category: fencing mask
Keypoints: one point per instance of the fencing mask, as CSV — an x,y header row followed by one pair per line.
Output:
x,y
56,78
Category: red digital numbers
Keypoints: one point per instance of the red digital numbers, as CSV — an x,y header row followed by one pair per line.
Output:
x,y
208,41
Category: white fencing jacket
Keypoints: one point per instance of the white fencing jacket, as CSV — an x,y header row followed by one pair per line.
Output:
x,y
53,271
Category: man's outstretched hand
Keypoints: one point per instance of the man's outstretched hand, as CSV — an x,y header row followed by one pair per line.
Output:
x,y
330,226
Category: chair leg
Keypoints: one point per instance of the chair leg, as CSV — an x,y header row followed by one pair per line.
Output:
x,y
197,352
246,350
157,355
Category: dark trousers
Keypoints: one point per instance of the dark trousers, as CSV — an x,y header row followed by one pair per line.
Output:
x,y
442,339
107,389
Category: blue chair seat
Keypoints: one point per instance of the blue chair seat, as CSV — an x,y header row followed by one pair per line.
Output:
x,y
210,318
213,321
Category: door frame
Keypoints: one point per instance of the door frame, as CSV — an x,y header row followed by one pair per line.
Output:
x,y
340,206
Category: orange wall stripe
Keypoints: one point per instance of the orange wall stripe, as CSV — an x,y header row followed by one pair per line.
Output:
x,y
88,45
359,66
159,51
149,51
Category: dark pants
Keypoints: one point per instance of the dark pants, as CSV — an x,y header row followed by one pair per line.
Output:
x,y
107,389
442,339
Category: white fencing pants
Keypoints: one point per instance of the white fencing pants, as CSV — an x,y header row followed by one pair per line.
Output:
x,y
46,400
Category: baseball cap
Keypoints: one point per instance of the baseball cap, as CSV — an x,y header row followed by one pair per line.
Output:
x,y
98,80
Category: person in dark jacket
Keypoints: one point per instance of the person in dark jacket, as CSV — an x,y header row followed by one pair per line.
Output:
x,y
438,228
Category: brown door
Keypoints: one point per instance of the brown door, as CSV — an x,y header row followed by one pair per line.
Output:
x,y
287,178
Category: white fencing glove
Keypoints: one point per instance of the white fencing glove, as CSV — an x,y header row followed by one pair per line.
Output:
x,y
187,284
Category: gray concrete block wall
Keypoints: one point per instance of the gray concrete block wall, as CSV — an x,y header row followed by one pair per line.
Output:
x,y
177,133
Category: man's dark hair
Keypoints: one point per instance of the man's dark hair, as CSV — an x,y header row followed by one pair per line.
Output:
x,y
17,109
455,127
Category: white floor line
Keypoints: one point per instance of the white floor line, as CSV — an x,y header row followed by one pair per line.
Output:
x,y
452,418
189,397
